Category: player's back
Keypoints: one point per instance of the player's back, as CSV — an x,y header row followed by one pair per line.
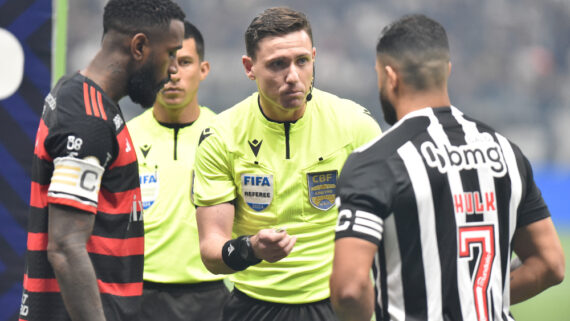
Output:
x,y
448,190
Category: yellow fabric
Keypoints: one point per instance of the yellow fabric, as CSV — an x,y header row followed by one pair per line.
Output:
x,y
172,252
320,142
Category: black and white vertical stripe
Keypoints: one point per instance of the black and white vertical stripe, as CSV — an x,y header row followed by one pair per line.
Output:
x,y
435,262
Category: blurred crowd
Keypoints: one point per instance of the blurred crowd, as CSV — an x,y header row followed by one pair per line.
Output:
x,y
511,58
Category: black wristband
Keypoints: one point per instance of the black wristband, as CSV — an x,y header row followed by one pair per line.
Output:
x,y
238,253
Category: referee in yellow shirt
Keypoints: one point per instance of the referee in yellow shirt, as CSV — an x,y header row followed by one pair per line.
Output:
x,y
266,174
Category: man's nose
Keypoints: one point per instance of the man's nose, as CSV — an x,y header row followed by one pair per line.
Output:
x,y
292,74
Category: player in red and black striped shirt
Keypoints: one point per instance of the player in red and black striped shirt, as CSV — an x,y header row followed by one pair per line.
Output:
x,y
85,233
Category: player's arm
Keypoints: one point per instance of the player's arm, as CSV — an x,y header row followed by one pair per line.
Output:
x,y
214,230
538,247
223,255
352,293
361,200
536,244
80,149
69,230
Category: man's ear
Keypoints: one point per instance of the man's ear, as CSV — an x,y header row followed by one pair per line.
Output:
x,y
204,69
392,78
139,46
248,65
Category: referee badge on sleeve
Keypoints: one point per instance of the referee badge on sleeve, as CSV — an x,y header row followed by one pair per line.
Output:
x,y
257,190
322,187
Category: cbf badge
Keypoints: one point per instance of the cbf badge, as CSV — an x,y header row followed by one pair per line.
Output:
x,y
257,190
149,188
322,189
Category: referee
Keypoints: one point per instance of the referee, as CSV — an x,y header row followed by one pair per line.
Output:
x,y
438,204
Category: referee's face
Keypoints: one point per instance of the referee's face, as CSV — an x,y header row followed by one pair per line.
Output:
x,y
283,70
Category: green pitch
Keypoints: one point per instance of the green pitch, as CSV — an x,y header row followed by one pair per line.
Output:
x,y
552,304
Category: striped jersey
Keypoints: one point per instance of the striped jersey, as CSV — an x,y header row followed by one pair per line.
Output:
x,y
84,158
441,195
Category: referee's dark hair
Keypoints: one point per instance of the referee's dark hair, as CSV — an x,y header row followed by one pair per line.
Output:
x,y
192,32
418,48
277,21
134,16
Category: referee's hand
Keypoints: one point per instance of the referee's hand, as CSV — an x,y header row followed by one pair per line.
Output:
x,y
271,245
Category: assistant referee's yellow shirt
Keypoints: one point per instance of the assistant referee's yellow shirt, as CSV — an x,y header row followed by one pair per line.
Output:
x,y
282,175
166,159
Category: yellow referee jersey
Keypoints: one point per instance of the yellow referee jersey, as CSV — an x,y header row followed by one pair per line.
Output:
x,y
282,175
166,158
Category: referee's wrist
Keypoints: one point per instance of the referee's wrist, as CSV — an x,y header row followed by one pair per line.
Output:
x,y
238,253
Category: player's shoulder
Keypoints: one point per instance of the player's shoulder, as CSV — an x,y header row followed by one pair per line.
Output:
x,y
343,110
143,125
76,96
206,112
141,119
219,127
234,118
68,94
486,128
387,144
339,104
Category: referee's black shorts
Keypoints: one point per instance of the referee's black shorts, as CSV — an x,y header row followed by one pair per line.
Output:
x,y
183,302
241,307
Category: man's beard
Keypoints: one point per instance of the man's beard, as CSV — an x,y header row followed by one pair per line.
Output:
x,y
142,87
388,109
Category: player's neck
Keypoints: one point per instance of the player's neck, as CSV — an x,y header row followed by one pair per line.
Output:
x,y
275,112
108,70
417,101
183,115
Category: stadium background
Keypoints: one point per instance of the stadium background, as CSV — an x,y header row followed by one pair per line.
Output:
x,y
511,62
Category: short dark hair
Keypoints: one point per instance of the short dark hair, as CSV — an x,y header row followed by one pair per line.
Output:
x,y
419,48
191,32
134,16
277,21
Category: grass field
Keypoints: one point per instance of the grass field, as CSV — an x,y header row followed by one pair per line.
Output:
x,y
554,303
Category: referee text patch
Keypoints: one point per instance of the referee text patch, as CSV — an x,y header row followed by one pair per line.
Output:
x,y
257,190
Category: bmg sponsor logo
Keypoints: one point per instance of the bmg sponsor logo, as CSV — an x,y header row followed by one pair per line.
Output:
x,y
478,155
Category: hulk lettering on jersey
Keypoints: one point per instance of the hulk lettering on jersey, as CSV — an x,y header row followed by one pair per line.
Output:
x,y
474,202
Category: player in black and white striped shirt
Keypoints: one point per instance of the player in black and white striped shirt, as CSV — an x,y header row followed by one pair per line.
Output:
x,y
438,204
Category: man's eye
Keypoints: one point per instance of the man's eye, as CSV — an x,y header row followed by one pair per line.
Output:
x,y
277,64
302,61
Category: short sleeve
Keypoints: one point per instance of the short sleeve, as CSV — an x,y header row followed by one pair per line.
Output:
x,y
213,180
81,150
365,127
532,207
81,138
365,193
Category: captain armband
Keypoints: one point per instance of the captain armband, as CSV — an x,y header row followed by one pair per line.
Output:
x,y
238,253
77,180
